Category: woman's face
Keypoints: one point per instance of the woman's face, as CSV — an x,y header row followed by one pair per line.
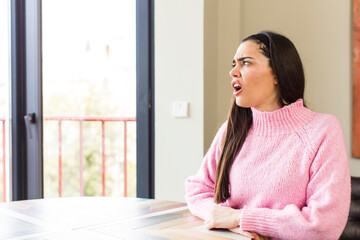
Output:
x,y
253,81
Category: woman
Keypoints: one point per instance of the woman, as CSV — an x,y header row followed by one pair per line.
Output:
x,y
275,168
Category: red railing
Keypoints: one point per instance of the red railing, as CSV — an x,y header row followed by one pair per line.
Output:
x,y
3,159
103,120
61,119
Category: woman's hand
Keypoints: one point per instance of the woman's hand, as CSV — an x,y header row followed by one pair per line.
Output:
x,y
251,235
246,234
223,217
229,218
259,237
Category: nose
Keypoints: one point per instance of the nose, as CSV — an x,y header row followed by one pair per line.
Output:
x,y
235,73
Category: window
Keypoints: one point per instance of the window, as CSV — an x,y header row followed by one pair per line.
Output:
x,y
4,98
27,76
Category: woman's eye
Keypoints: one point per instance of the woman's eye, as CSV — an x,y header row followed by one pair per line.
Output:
x,y
244,63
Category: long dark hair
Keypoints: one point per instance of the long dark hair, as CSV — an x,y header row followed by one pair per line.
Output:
x,y
286,65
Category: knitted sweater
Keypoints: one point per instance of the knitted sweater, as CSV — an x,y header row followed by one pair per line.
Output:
x,y
291,178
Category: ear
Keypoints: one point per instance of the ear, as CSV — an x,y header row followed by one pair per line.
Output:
x,y
275,81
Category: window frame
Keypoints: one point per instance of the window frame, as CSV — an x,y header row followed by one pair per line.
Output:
x,y
26,98
145,98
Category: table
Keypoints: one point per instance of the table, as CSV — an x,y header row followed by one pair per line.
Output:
x,y
103,218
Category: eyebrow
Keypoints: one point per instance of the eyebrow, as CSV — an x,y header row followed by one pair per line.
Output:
x,y
243,58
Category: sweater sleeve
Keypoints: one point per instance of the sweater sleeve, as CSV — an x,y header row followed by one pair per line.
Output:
x,y
200,188
327,204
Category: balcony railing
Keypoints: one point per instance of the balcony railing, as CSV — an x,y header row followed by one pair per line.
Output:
x,y
80,120
3,159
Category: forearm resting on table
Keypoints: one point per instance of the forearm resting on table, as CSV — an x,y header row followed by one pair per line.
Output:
x,y
223,217
228,218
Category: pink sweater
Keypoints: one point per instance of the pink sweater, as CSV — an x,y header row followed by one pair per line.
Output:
x,y
291,177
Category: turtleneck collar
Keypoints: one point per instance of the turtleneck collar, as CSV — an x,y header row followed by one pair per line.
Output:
x,y
282,121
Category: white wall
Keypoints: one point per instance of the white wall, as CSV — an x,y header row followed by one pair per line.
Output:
x,y
222,28
178,76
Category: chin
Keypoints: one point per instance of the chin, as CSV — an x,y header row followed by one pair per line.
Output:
x,y
241,103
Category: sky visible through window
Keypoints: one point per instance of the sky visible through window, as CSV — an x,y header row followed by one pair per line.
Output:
x,y
89,45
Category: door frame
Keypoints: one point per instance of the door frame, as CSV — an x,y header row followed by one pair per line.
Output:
x,y
26,99
145,98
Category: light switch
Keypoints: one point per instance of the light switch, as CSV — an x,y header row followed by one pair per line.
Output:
x,y
180,109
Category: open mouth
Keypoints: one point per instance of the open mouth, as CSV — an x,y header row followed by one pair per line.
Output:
x,y
237,87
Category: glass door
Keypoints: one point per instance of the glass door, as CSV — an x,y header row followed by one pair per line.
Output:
x,y
4,98
89,97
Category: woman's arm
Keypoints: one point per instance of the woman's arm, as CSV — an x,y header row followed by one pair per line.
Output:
x,y
200,188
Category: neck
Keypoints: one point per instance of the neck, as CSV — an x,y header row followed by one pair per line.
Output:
x,y
273,106
281,121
